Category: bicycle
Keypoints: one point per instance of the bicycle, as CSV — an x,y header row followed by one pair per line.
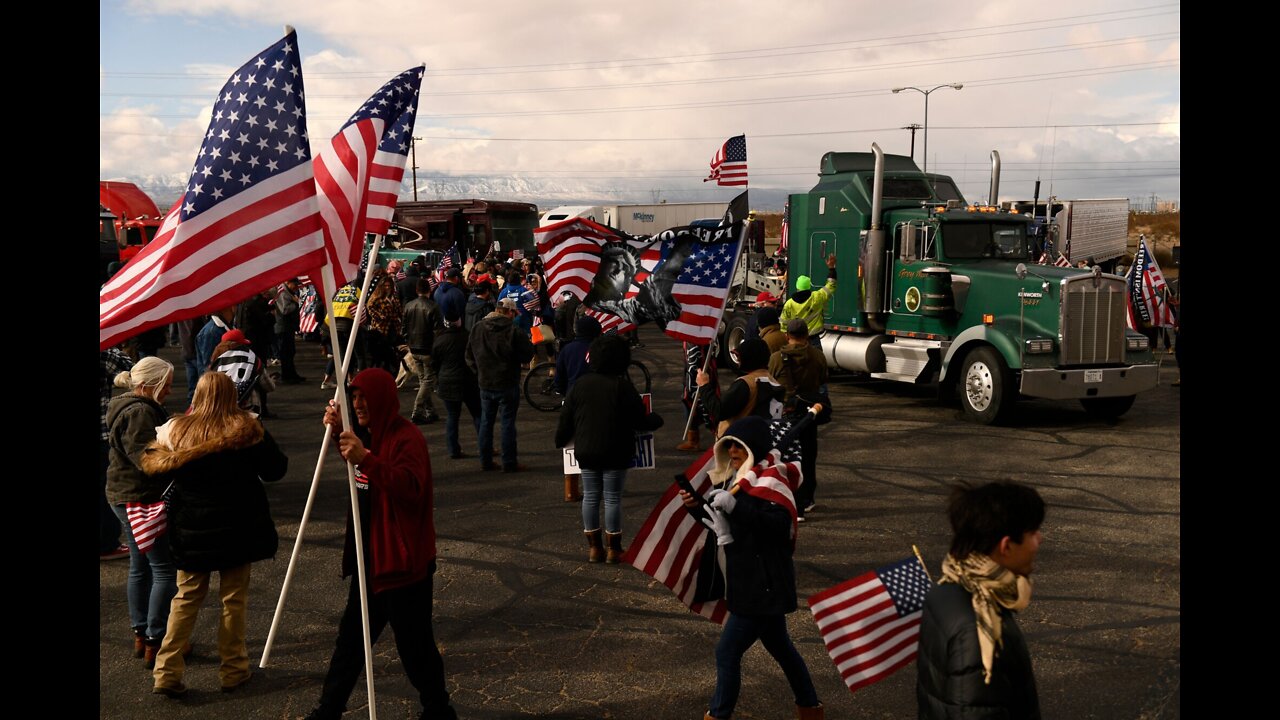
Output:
x,y
540,384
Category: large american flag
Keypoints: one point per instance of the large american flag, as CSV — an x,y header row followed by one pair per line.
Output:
x,y
358,173
669,545
249,217
1148,292
729,164
871,624
570,251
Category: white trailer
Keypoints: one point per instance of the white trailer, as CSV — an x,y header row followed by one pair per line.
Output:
x,y
656,217
564,212
1097,229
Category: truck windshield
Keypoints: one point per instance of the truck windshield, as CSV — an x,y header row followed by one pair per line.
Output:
x,y
972,240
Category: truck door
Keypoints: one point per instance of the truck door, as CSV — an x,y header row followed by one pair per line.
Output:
x,y
821,244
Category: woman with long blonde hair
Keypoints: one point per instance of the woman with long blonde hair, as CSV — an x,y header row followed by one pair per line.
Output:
x,y
217,457
131,425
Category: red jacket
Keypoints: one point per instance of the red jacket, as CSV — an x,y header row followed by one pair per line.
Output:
x,y
401,533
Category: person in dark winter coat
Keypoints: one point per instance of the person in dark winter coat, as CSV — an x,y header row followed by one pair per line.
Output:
x,y
770,329
421,321
216,457
456,383
973,660
450,297
479,305
495,352
758,539
571,362
755,393
131,424
601,416
397,517
800,368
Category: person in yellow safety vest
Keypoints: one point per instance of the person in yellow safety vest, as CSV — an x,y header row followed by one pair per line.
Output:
x,y
345,302
809,305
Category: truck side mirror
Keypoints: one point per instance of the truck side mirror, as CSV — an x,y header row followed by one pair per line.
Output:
x,y
1021,271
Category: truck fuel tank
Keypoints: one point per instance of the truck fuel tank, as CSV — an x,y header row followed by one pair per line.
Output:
x,y
855,353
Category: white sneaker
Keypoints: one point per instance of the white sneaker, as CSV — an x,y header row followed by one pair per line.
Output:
x,y
811,506
324,386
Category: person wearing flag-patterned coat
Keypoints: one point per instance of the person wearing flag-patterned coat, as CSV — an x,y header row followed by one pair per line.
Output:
x,y
758,539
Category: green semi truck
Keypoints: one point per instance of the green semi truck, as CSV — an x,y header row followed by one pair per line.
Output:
x,y
931,289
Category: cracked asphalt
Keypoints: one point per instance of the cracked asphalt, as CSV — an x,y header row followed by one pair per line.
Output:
x,y
529,629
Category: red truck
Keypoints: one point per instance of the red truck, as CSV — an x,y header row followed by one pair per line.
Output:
x,y
137,217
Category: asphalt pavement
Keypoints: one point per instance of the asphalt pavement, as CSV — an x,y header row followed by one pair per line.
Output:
x,y
529,629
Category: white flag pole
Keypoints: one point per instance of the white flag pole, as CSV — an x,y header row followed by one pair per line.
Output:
x,y
706,361
341,399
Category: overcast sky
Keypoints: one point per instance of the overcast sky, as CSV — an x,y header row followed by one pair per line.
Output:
x,y
1082,94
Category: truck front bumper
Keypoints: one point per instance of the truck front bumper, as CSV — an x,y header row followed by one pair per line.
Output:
x,y
1056,384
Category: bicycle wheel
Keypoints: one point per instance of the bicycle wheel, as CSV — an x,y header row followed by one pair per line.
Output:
x,y
639,376
540,387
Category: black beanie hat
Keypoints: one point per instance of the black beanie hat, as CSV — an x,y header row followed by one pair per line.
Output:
x,y
767,316
753,354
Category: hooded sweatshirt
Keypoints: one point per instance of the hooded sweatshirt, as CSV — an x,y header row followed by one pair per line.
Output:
x,y
400,532
571,361
219,516
603,411
799,368
131,424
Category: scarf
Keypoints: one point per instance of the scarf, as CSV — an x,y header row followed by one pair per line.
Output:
x,y
992,587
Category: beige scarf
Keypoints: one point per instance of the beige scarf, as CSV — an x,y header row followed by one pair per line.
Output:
x,y
992,587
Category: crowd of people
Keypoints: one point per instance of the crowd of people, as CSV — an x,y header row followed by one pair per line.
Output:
x,y
466,334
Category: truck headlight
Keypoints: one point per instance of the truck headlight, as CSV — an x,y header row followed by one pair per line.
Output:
x,y
1039,345
1138,342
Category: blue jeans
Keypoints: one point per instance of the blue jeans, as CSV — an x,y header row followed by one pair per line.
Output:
x,y
506,401
610,481
453,410
153,581
740,633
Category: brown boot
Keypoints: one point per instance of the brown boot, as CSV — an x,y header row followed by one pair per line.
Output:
x,y
691,441
615,547
810,713
139,643
571,491
709,716
149,651
595,549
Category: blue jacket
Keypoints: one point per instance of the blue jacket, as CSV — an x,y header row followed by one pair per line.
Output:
x,y
208,338
451,300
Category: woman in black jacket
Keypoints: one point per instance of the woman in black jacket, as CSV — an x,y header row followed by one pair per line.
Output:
x,y
601,416
455,383
217,457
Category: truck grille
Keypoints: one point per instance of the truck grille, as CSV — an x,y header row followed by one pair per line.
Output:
x,y
1093,320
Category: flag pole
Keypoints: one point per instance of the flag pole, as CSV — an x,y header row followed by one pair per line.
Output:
x,y
341,398
706,361
916,550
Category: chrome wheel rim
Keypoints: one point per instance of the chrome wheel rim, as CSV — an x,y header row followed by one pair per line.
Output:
x,y
979,386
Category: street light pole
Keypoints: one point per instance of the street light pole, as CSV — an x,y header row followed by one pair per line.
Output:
x,y
954,86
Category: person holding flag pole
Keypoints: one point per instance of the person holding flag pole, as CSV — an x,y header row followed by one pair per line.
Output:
x,y
358,177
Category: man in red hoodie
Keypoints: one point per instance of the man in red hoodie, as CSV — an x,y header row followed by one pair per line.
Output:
x,y
393,481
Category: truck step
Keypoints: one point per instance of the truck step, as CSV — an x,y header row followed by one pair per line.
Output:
x,y
898,377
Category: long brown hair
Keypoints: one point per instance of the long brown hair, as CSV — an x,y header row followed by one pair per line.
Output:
x,y
215,413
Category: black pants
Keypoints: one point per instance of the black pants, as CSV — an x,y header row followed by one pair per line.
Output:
x,y
809,466
408,609
286,350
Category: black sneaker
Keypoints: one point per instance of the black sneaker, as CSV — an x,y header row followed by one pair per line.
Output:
x,y
323,713
419,420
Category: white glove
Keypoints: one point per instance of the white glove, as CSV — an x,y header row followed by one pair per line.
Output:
x,y
722,500
719,525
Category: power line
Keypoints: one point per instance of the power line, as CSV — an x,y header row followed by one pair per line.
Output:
x,y
609,64
708,137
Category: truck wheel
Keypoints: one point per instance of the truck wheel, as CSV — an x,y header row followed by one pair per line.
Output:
x,y
985,386
1107,407
735,331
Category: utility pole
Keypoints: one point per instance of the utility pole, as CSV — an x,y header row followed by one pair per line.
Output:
x,y
413,148
913,127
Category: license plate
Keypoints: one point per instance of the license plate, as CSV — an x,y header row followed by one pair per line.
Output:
x,y
1093,376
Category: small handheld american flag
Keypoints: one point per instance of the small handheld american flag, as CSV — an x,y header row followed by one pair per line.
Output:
x,y
871,624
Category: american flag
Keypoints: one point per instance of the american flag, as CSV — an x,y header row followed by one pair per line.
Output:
x,y
447,261
669,545
249,217
147,522
570,252
729,164
871,624
1148,292
1062,261
358,173
307,321
701,290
